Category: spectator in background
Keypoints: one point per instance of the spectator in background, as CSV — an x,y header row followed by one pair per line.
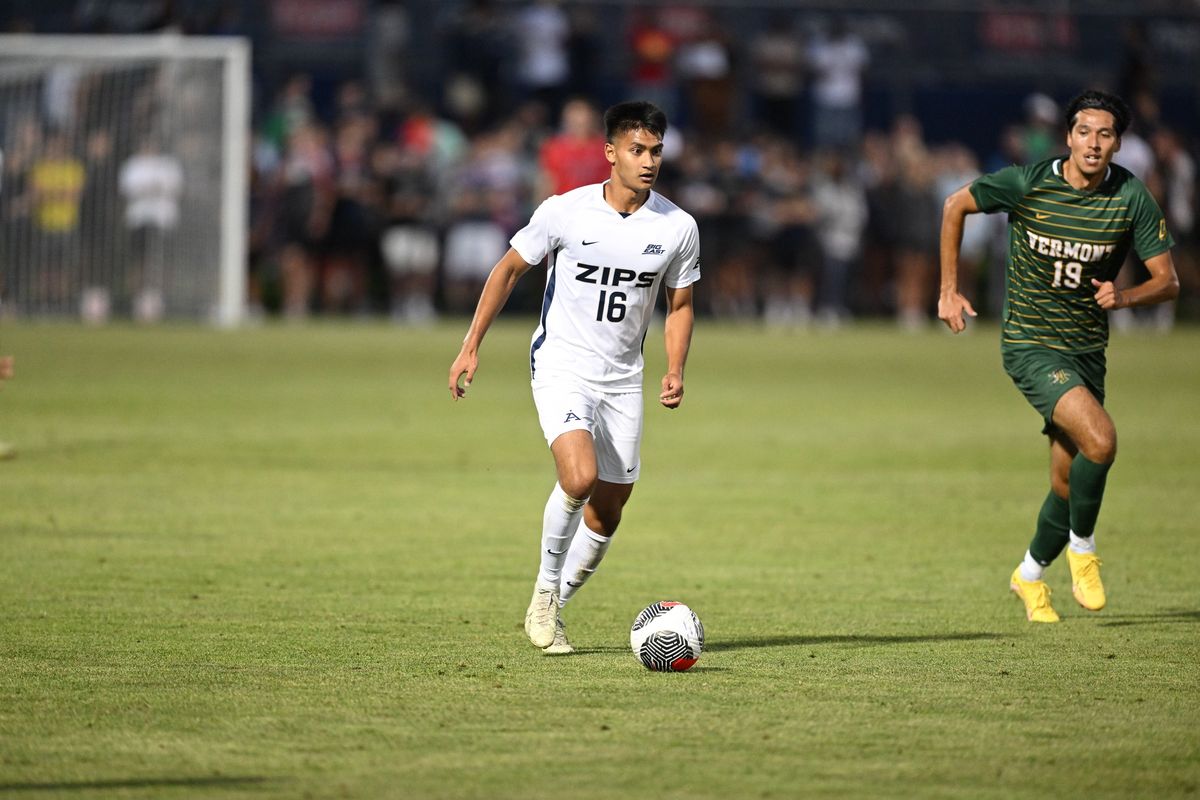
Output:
x,y
837,61
1010,149
1039,137
474,240
150,182
306,202
782,224
409,245
56,183
1137,156
956,166
877,171
438,140
477,48
1176,179
705,66
541,31
916,213
1136,74
22,144
585,48
652,56
103,253
716,185
293,110
1009,152
353,224
777,69
387,54
573,157
841,220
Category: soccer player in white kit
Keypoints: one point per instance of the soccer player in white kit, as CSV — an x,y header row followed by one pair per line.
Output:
x,y
607,247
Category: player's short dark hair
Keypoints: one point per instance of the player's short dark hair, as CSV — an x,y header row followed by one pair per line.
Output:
x,y
1102,101
631,115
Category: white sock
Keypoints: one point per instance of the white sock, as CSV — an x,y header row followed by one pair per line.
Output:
x,y
1081,545
586,553
558,526
1031,570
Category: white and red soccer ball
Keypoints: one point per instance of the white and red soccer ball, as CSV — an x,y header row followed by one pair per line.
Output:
x,y
667,637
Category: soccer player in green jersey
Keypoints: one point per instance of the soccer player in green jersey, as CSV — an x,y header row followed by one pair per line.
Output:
x,y
1072,221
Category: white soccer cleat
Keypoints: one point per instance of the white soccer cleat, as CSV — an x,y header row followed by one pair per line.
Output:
x,y
541,619
561,645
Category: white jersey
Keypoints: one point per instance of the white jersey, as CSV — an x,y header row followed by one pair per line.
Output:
x,y
602,279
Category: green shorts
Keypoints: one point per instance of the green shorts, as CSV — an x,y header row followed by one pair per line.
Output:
x,y
1044,375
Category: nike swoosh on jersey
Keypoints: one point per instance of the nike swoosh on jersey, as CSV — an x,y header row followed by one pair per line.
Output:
x,y
1042,216
585,244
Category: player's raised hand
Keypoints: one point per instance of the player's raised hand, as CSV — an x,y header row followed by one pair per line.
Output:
x,y
1107,295
463,367
672,390
951,307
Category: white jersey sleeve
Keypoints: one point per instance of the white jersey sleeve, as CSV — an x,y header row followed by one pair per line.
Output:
x,y
685,268
603,272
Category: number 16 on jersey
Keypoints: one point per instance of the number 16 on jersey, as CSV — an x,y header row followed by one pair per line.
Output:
x,y
611,306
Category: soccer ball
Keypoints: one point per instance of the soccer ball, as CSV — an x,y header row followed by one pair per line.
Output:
x,y
667,637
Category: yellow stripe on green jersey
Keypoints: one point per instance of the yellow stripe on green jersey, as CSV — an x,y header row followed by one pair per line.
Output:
x,y
1060,238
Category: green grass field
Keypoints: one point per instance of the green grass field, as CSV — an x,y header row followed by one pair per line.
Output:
x,y
280,562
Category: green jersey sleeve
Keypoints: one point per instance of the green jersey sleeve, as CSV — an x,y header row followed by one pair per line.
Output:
x,y
1002,190
1150,234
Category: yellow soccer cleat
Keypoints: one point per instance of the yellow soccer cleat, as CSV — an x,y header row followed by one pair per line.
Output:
x,y
1035,595
1085,580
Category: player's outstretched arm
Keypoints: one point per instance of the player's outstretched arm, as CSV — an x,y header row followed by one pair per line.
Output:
x,y
951,304
678,338
499,286
1161,286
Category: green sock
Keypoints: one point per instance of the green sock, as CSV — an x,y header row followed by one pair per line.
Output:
x,y
1053,529
1087,490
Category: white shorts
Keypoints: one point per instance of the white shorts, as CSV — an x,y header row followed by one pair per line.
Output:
x,y
613,418
472,249
410,250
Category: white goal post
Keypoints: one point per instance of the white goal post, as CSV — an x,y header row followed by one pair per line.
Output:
x,y
123,189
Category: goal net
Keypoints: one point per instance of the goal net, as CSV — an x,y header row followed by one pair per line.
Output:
x,y
123,184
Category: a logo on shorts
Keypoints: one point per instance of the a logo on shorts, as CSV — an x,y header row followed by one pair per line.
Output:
x,y
653,250
572,416
1059,377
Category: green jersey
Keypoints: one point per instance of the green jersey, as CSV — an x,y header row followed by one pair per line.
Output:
x,y
1060,238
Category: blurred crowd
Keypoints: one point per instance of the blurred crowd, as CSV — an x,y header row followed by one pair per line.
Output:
x,y
389,196
399,203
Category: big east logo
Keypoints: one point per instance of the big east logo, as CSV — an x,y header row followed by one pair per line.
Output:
x,y
614,276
